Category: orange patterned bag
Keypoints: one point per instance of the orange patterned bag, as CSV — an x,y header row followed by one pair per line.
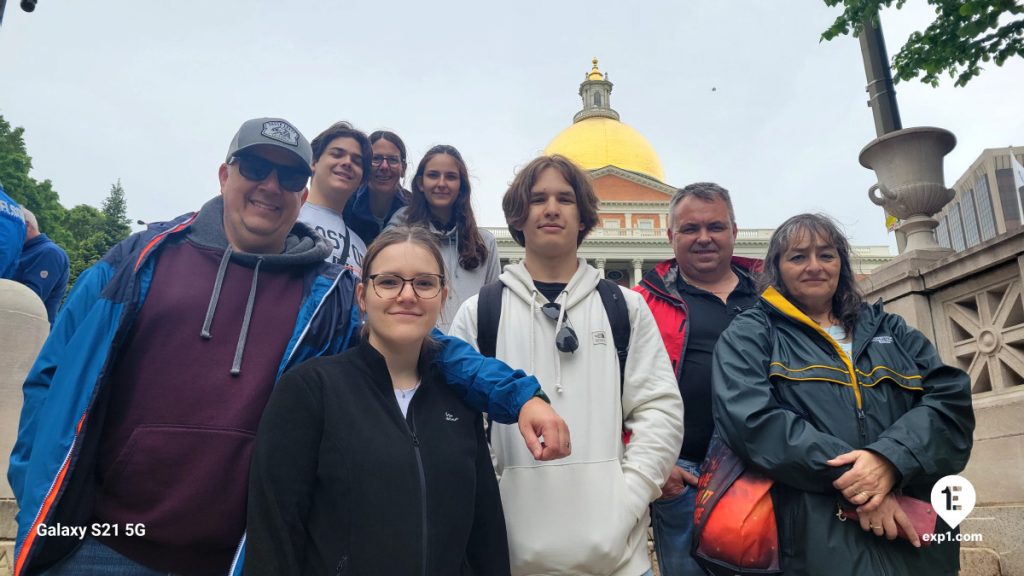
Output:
x,y
735,533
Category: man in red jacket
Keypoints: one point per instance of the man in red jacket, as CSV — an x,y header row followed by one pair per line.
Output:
x,y
693,298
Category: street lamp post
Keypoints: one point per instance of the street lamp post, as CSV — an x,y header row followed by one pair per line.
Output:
x,y
882,96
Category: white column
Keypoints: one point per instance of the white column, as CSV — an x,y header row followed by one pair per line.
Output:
x,y
599,263
638,270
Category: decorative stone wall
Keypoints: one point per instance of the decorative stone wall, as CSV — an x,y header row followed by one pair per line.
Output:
x,y
970,304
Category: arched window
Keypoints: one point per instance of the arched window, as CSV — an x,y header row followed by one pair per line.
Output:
x,y
597,99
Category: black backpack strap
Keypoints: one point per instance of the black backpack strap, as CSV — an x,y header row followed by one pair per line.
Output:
x,y
488,315
618,317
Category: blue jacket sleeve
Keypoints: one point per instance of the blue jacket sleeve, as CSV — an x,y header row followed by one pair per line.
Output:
x,y
12,235
37,384
487,384
55,265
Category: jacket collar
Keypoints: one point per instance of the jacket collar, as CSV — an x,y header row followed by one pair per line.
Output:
x,y
868,320
42,238
378,366
661,280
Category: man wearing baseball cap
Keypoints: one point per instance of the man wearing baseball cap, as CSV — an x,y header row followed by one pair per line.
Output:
x,y
135,436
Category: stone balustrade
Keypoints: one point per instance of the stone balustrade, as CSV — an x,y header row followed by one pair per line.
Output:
x,y
24,329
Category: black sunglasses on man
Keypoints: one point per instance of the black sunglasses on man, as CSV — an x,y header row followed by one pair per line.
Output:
x,y
257,169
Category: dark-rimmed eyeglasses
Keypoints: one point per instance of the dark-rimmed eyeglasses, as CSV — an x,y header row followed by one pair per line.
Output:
x,y
389,286
376,161
257,169
566,339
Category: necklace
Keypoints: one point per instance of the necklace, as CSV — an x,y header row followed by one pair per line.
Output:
x,y
405,392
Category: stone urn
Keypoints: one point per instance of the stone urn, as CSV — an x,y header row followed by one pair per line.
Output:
x,y
911,186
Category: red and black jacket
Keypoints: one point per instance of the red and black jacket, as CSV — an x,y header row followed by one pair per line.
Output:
x,y
657,288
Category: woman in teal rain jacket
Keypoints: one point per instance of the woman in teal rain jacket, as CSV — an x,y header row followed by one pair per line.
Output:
x,y
843,405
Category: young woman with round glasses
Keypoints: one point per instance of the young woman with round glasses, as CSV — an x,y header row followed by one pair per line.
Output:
x,y
441,202
367,462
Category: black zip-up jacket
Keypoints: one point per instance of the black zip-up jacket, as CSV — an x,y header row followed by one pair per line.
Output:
x,y
342,484
787,399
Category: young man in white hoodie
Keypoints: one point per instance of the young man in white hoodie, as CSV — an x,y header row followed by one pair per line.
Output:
x,y
588,513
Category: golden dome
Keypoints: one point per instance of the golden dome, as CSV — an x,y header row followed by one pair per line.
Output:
x,y
595,74
597,142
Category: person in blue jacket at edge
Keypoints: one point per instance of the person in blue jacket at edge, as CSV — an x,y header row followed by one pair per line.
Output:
x,y
43,266
12,235
139,413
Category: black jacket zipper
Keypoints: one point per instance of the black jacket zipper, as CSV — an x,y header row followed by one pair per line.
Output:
x,y
411,425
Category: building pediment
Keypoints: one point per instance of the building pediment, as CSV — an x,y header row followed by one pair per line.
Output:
x,y
613,184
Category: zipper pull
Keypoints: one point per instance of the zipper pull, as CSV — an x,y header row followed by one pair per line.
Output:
x,y
862,425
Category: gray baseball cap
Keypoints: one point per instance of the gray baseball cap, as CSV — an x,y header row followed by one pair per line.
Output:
x,y
272,132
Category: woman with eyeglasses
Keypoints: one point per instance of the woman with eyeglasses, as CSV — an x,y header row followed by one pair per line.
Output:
x,y
441,202
367,462
376,201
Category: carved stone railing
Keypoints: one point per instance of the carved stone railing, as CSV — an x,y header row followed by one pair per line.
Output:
x,y
986,333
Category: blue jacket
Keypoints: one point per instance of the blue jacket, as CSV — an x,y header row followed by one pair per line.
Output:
x,y
360,218
58,428
12,234
44,268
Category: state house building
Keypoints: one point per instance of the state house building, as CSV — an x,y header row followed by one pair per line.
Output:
x,y
630,182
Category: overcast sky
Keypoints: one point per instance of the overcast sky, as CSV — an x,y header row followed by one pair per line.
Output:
x,y
740,93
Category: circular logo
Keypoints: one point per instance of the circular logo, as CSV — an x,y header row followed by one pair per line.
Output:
x,y
953,498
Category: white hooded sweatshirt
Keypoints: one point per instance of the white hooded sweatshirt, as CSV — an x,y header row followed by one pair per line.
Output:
x,y
587,513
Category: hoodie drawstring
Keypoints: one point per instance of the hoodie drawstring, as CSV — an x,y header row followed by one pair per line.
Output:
x,y
217,284
533,328
236,366
563,298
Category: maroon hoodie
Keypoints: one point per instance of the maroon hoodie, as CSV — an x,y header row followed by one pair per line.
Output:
x,y
186,396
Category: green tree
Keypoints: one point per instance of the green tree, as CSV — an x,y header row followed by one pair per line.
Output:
x,y
85,224
84,232
93,232
115,215
964,34
39,197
